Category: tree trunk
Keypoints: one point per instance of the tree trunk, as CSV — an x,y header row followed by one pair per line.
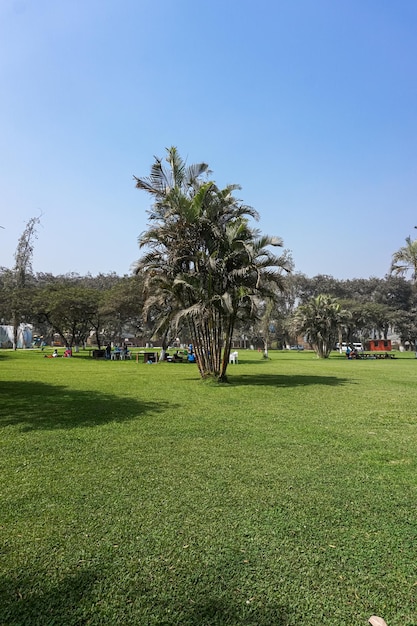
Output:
x,y
98,338
226,350
164,345
15,330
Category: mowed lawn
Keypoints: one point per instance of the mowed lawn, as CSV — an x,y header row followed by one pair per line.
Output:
x,y
137,494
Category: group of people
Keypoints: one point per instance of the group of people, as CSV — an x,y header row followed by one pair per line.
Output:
x,y
118,351
351,352
179,355
54,355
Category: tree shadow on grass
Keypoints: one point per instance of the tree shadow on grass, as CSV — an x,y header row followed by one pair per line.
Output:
x,y
37,601
34,405
218,612
77,598
283,380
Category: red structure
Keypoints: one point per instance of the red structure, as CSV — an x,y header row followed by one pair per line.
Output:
x,y
380,345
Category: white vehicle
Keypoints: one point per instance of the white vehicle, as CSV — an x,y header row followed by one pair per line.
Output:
x,y
356,346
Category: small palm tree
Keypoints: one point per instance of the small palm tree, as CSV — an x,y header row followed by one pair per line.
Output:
x,y
405,260
319,320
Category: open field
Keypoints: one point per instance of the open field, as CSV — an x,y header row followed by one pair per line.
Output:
x,y
137,494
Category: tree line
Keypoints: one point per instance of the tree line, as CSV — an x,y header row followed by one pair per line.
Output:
x,y
107,307
207,276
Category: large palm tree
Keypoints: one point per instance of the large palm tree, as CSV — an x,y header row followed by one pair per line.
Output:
x,y
202,254
405,260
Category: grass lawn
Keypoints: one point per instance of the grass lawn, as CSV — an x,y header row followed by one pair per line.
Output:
x,y
137,494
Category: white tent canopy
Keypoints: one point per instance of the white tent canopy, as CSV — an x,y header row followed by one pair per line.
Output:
x,y
24,336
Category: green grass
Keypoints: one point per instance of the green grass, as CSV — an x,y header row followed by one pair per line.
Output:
x,y
137,494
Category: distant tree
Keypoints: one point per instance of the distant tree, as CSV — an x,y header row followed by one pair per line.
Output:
x,y
7,285
17,279
121,309
405,324
353,320
359,289
395,292
24,251
69,309
405,260
319,320
376,319
318,285
285,304
266,324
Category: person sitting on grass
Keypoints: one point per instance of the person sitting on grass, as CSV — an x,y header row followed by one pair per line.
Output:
x,y
51,356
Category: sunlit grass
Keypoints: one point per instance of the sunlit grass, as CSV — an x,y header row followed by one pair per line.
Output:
x,y
137,494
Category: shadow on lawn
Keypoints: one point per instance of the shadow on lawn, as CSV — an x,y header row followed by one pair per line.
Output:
x,y
283,380
32,600
217,611
35,405
76,599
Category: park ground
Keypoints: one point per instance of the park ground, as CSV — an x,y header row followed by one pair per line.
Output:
x,y
138,494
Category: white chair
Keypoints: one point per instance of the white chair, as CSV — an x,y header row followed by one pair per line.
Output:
x,y
234,358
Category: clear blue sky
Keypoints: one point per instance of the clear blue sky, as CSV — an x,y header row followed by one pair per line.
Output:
x,y
309,105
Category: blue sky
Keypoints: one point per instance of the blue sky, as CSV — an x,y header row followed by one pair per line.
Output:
x,y
309,105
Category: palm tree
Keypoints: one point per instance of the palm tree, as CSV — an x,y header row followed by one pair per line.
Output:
x,y
405,259
320,319
173,186
203,256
